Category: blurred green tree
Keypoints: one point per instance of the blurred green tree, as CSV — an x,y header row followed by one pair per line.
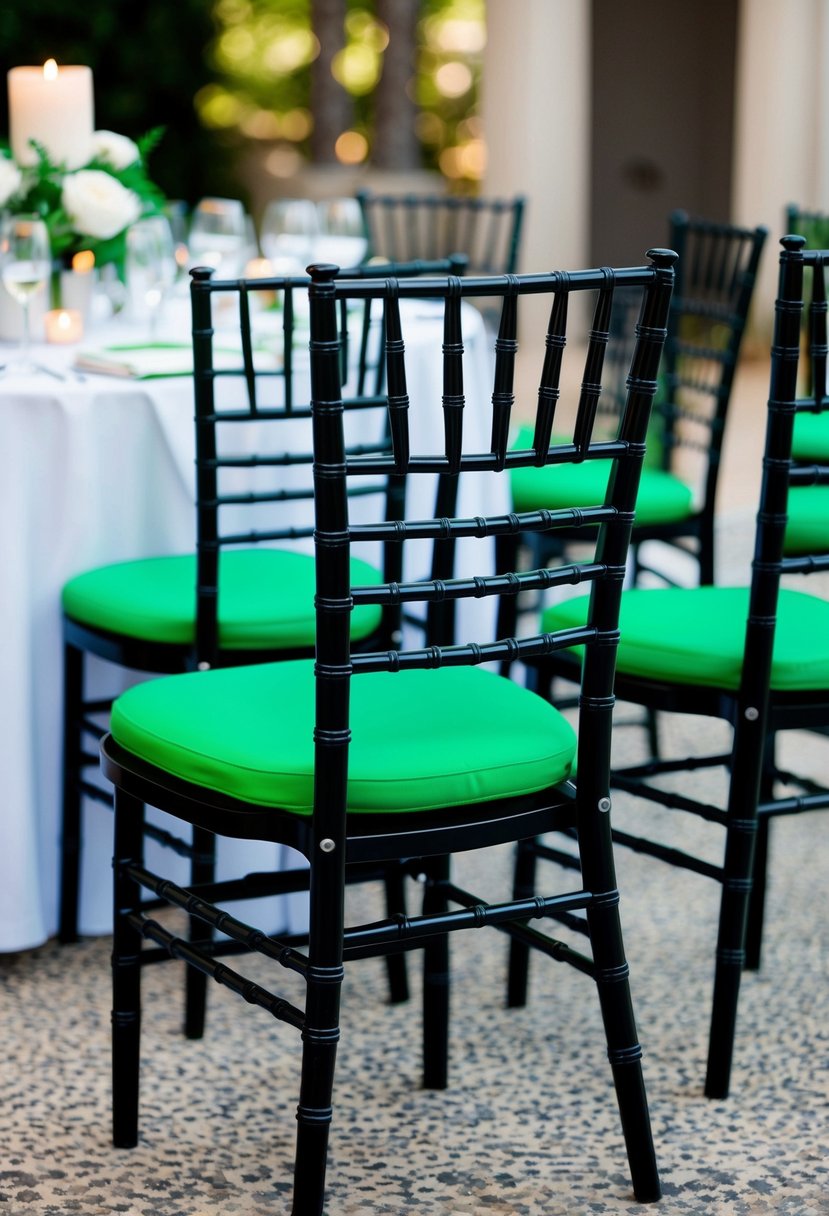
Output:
x,y
390,82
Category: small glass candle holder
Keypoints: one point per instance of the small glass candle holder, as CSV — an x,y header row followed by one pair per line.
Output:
x,y
63,325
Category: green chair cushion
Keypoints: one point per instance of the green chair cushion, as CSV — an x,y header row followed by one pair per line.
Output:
x,y
807,530
696,635
266,599
421,740
662,497
810,440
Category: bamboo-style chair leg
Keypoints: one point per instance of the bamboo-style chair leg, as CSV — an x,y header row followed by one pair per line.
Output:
x,y
202,870
730,957
757,900
70,841
436,984
623,1049
519,953
126,974
396,968
320,1035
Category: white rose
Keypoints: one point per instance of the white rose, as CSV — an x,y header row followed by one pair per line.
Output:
x,y
115,150
9,179
97,204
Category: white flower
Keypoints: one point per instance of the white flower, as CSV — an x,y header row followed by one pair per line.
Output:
x,y
97,204
9,179
115,150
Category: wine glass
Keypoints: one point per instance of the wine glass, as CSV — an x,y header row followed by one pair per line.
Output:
x,y
219,235
25,266
150,267
342,237
287,234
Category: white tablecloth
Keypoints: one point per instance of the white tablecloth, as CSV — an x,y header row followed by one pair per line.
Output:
x,y
98,470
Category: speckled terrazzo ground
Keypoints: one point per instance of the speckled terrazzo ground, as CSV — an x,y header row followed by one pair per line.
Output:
x,y
529,1125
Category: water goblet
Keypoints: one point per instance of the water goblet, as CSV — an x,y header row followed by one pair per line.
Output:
x,y
150,267
342,237
25,267
287,234
219,235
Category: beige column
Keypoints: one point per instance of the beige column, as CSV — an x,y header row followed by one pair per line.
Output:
x,y
535,107
782,123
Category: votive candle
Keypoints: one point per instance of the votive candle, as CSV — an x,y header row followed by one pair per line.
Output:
x,y
63,325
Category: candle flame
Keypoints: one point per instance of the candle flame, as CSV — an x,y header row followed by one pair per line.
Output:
x,y
64,320
50,70
83,261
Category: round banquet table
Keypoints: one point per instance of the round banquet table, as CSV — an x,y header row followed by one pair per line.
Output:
x,y
99,469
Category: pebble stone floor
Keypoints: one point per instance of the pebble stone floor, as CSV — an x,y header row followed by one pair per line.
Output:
x,y
528,1126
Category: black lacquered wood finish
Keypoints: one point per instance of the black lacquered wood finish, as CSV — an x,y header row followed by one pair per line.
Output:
x,y
758,788
339,846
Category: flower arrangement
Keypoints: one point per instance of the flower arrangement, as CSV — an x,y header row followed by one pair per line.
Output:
x,y
87,208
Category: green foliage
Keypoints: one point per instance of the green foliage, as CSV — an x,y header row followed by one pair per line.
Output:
x,y
41,192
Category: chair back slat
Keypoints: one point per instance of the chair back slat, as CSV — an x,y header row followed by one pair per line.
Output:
x,y
503,394
549,387
591,385
453,395
817,332
398,396
247,348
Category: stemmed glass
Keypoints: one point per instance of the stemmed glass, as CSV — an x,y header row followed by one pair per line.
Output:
x,y
287,234
219,235
25,265
342,238
150,267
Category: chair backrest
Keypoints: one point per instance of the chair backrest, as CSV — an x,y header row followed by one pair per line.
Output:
x,y
253,444
405,226
715,279
607,525
799,269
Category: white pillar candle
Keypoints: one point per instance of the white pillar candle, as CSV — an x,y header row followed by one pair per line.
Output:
x,y
55,106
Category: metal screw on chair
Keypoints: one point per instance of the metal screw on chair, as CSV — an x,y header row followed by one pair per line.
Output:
x,y
604,805
203,666
327,845
752,714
